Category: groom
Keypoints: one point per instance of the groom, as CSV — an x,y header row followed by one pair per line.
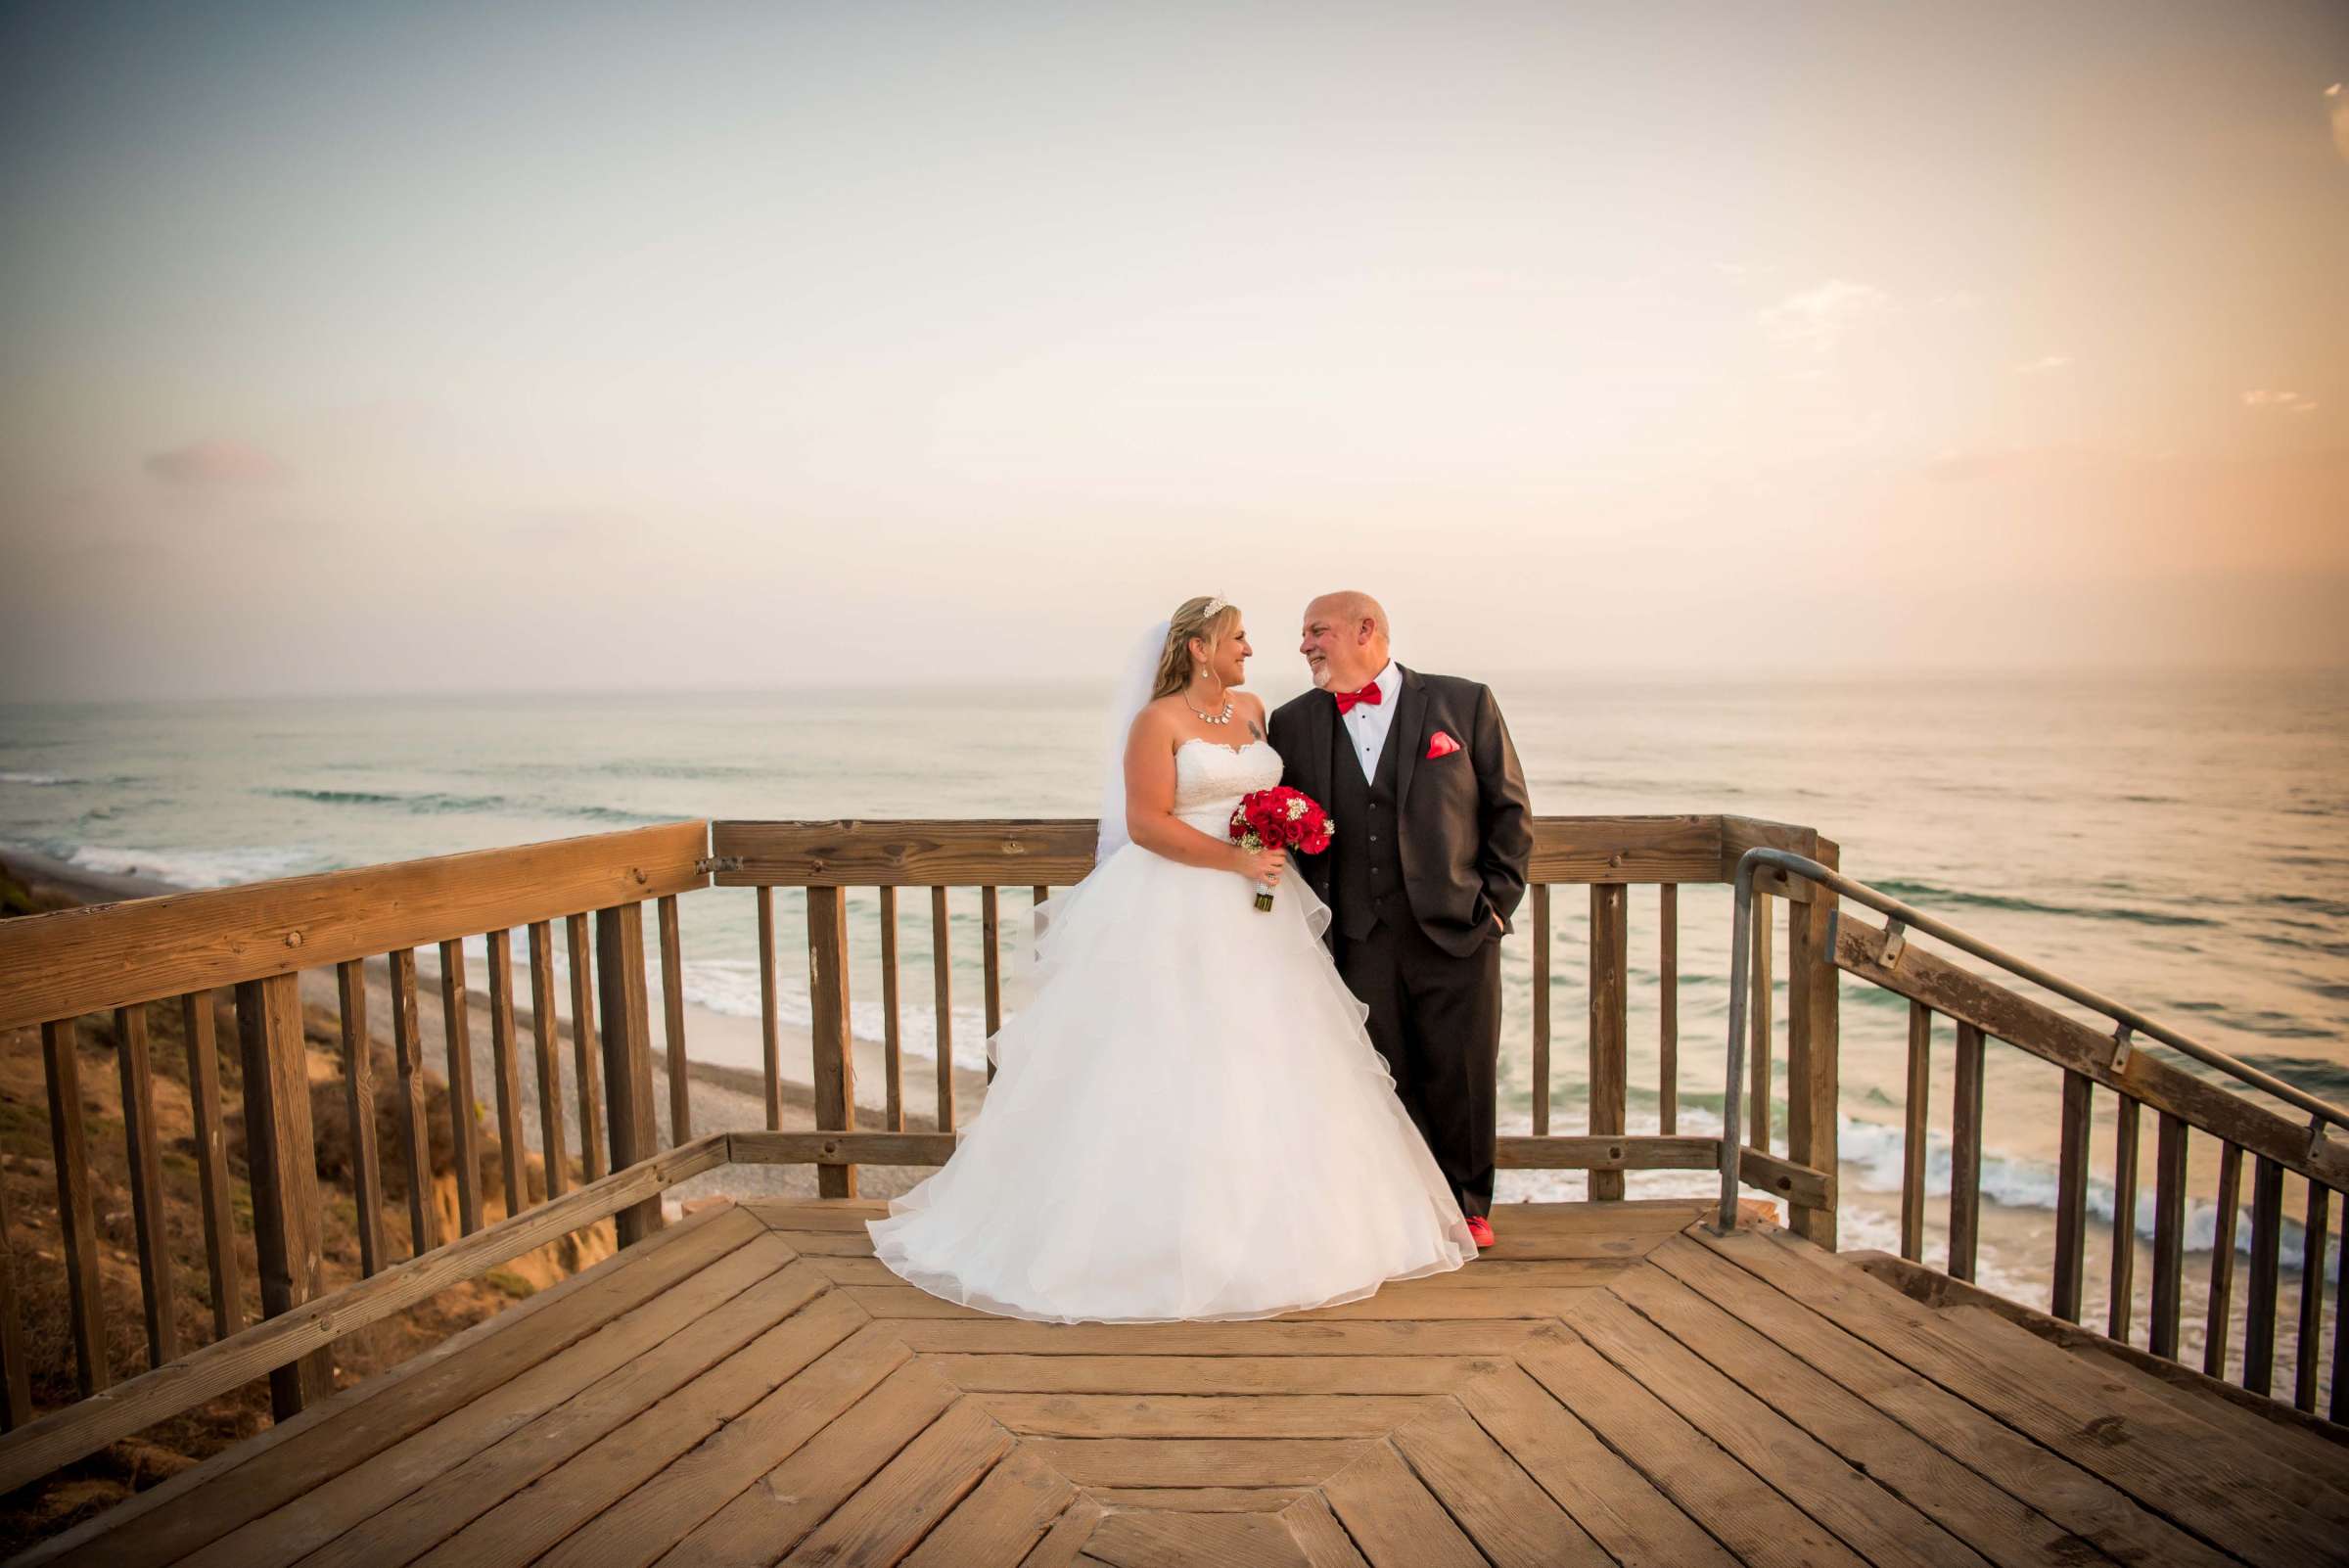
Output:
x,y
1434,841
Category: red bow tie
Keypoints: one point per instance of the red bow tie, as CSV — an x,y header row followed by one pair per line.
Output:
x,y
1368,694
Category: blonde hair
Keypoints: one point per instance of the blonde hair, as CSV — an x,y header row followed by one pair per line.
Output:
x,y
1209,618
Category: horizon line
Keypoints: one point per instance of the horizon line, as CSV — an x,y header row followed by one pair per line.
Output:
x,y
1674,675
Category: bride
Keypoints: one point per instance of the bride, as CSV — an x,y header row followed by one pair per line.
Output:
x,y
1188,1119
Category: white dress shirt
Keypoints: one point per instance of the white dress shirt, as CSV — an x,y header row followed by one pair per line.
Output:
x,y
1367,723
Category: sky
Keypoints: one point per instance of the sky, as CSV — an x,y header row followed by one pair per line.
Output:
x,y
409,347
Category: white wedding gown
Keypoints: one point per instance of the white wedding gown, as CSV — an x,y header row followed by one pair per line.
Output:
x,y
1188,1120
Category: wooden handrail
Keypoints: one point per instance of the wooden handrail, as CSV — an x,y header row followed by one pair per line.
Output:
x,y
187,947
2182,1101
128,955
2006,1015
1016,853
64,1436
74,961
1607,853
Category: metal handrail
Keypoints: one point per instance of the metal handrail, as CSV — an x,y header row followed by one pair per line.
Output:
x,y
2129,1019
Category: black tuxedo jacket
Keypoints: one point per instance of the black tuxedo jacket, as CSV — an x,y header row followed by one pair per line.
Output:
x,y
1464,827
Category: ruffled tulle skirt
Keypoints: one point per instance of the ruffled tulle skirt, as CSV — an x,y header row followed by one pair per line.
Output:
x,y
1188,1122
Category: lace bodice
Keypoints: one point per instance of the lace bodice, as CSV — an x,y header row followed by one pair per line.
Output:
x,y
1210,779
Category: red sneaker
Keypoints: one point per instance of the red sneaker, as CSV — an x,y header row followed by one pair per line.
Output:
x,y
1480,1230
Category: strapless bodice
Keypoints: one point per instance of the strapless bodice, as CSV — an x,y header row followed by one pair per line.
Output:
x,y
1210,777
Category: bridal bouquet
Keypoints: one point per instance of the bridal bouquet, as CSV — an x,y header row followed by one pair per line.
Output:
x,y
1281,818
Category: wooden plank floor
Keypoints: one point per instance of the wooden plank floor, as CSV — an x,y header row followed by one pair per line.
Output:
x,y
1613,1383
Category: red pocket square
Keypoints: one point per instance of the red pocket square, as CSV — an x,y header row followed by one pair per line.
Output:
x,y
1441,745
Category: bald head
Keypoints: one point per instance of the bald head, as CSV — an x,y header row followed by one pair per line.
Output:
x,y
1345,640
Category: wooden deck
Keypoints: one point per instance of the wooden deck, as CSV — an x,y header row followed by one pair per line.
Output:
x,y
1611,1384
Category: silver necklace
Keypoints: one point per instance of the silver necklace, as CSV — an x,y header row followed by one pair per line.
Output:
x,y
1224,717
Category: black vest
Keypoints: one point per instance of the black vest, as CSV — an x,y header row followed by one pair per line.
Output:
x,y
1365,877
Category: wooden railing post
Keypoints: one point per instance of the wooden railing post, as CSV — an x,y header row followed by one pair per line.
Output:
x,y
1915,1120
415,1132
1540,958
73,1208
1610,1034
550,1060
457,1030
211,1164
1758,1036
283,1164
627,1036
2267,1231
147,1184
15,1369
358,1100
673,1023
2071,1198
1965,1152
942,987
506,1068
579,946
835,1064
1814,1049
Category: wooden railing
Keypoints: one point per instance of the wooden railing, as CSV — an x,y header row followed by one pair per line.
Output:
x,y
1609,855
178,952
2183,1103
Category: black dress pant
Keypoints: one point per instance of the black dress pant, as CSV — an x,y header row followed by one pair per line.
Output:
x,y
1437,1021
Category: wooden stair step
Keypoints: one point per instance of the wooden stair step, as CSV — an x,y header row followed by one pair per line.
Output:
x,y
1848,1501
473,1443
767,1519
2286,1441
1266,1415
1196,1462
1199,1500
613,1433
2077,1500
1736,1507
1003,1520
2169,1462
1614,1503
1300,1374
286,1463
1392,1518
1987,1518
1275,1337
1511,1520
1158,1539
886,1516
657,1513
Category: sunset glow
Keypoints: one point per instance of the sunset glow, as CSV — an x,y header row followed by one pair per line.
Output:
x,y
363,349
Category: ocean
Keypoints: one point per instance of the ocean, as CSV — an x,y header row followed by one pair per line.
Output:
x,y
2181,843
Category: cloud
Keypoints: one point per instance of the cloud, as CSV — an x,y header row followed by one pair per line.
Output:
x,y
2287,402
1814,322
2340,117
213,465
2045,365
